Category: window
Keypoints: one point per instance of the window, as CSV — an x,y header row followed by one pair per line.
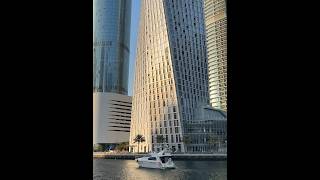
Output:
x,y
152,158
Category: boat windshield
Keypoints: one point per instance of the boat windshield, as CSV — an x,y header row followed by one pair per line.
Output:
x,y
152,158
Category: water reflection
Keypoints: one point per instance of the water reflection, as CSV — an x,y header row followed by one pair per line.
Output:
x,y
104,169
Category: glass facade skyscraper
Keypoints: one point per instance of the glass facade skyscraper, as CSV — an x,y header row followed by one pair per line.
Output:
x,y
111,42
171,78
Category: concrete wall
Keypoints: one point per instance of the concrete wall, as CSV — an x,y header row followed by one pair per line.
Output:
x,y
111,117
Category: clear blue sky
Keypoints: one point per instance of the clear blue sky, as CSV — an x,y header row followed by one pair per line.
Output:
x,y
135,13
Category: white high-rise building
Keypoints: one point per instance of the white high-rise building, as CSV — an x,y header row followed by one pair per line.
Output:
x,y
216,33
171,78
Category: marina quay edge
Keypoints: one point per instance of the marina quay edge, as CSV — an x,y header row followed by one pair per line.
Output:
x,y
179,96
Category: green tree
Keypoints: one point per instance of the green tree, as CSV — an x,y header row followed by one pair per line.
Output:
x,y
97,148
186,140
212,140
124,146
139,139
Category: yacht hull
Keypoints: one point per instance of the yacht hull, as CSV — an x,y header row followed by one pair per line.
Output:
x,y
153,165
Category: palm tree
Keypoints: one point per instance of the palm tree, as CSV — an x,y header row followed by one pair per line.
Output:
x,y
212,140
123,146
97,148
139,139
160,139
186,140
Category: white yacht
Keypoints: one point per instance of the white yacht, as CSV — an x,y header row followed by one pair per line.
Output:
x,y
161,160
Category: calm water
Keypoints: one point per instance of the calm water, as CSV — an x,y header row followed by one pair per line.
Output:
x,y
186,170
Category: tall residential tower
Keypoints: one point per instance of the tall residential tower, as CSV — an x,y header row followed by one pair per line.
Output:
x,y
216,34
171,78
111,42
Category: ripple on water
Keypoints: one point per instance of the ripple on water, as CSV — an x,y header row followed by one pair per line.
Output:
x,y
107,169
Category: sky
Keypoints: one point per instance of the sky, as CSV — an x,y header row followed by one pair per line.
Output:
x,y
135,13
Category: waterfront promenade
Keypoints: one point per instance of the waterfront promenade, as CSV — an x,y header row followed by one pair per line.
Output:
x,y
185,156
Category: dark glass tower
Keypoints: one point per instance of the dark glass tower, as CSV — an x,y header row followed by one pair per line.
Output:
x,y
111,42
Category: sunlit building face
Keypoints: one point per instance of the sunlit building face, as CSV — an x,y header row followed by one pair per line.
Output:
x,y
216,33
171,78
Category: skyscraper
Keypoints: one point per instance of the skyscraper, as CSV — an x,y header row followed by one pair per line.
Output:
x,y
216,31
171,78
111,42
111,45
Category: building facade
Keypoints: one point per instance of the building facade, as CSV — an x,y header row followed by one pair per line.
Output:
x,y
208,132
111,42
171,78
216,35
112,116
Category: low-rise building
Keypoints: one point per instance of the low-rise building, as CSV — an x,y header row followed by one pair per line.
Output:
x,y
208,133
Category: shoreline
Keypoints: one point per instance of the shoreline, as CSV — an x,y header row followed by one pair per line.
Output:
x,y
205,157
